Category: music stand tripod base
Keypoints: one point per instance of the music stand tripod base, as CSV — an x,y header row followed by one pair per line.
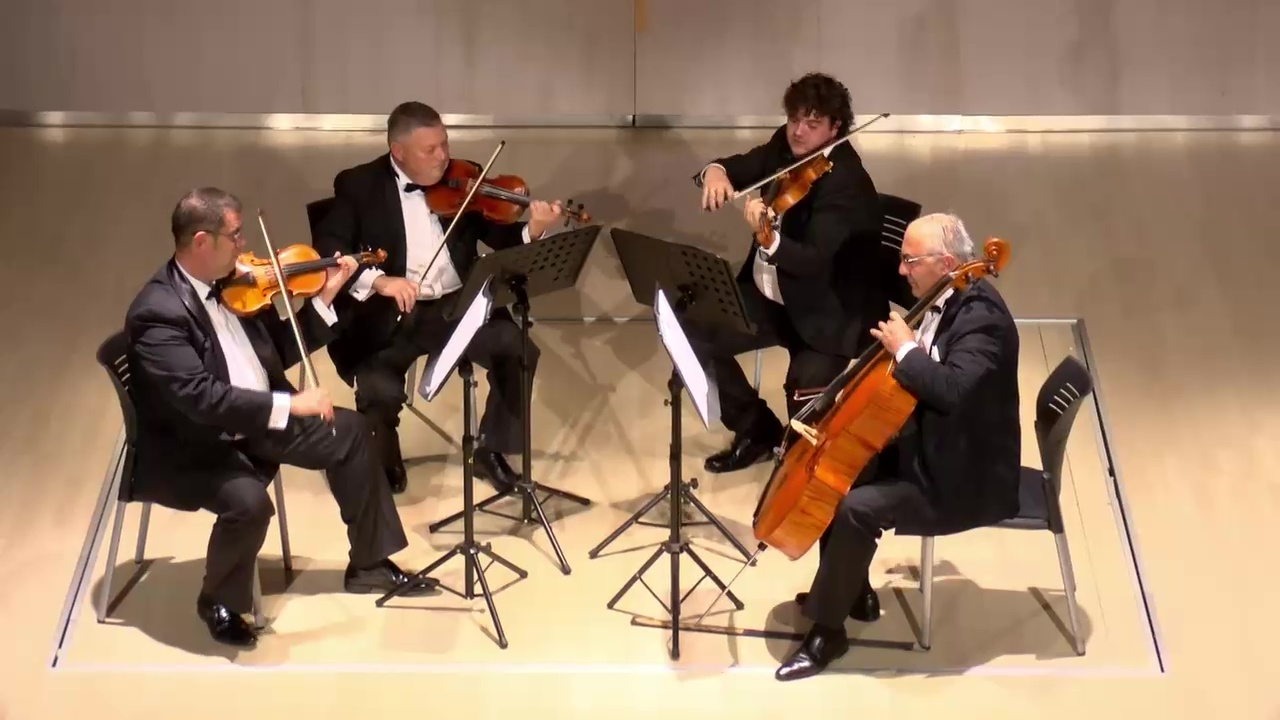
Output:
x,y
515,274
469,550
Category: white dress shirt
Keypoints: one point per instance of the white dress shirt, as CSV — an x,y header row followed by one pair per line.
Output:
x,y
928,330
244,369
423,234
766,273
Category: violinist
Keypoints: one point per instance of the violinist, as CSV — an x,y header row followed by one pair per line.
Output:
x,y
216,416
809,286
954,466
382,204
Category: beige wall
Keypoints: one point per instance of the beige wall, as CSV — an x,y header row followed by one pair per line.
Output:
x,y
583,58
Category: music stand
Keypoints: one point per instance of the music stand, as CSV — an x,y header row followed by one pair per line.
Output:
x,y
516,274
705,292
434,377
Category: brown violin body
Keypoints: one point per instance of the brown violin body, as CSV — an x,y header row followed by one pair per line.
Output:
x,y
842,429
788,190
253,284
501,199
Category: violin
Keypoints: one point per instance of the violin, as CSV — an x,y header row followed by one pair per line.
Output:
x,y
502,199
794,182
253,286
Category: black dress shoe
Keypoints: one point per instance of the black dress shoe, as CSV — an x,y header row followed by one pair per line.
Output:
x,y
746,450
865,609
818,649
385,577
492,466
225,626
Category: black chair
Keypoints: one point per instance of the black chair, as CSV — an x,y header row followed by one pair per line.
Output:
x,y
898,214
113,356
1056,406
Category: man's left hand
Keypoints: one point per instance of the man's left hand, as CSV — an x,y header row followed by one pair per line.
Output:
x,y
893,333
542,215
337,276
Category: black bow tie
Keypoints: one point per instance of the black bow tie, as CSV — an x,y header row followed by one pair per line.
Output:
x,y
411,187
215,290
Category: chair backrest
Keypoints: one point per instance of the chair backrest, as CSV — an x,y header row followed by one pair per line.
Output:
x,y
898,214
113,356
317,210
1058,402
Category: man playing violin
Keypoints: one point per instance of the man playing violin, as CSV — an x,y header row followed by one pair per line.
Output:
x,y
382,204
956,463
216,416
809,286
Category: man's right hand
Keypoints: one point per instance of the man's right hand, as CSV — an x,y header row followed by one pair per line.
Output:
x,y
716,188
397,288
311,402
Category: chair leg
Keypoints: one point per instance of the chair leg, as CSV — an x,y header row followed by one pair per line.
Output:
x,y
283,520
926,589
143,524
104,593
759,362
259,617
1069,585
410,383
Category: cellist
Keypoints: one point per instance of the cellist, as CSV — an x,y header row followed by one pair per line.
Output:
x,y
810,286
955,464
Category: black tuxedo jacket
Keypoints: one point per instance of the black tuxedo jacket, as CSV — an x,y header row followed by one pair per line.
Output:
x,y
827,260
366,215
187,410
966,443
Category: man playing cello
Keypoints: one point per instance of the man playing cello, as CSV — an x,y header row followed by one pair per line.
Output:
x,y
955,464
810,287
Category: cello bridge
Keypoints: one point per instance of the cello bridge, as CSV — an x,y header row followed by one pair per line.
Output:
x,y
805,432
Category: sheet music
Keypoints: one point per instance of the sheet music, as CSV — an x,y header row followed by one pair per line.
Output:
x,y
700,387
443,362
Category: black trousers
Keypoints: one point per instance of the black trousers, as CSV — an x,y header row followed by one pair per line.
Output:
x,y
380,386
741,408
244,509
882,497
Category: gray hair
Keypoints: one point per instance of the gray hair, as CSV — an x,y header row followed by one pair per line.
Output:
x,y
201,210
947,232
409,116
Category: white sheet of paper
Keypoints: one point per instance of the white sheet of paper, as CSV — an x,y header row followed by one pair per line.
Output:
x,y
443,362
701,389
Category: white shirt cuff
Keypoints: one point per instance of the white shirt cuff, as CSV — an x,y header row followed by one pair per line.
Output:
x,y
363,285
280,406
525,234
905,348
326,312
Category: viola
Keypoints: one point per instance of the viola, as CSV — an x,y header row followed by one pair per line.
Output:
x,y
844,427
790,188
253,285
501,199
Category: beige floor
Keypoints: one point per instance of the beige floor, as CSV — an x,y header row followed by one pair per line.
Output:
x,y
985,616
1159,241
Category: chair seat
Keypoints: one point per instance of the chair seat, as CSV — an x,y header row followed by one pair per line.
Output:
x,y
1033,508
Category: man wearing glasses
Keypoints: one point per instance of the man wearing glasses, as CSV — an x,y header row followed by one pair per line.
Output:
x,y
954,466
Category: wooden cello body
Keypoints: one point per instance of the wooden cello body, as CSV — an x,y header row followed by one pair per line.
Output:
x,y
843,428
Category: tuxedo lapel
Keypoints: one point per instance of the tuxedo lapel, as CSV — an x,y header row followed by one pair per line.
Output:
x,y
208,340
395,218
942,338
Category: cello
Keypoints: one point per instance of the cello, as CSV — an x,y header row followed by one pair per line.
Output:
x,y
844,427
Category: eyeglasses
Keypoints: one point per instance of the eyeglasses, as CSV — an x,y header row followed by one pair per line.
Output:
x,y
910,260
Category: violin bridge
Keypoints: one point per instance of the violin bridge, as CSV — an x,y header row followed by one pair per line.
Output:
x,y
805,432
